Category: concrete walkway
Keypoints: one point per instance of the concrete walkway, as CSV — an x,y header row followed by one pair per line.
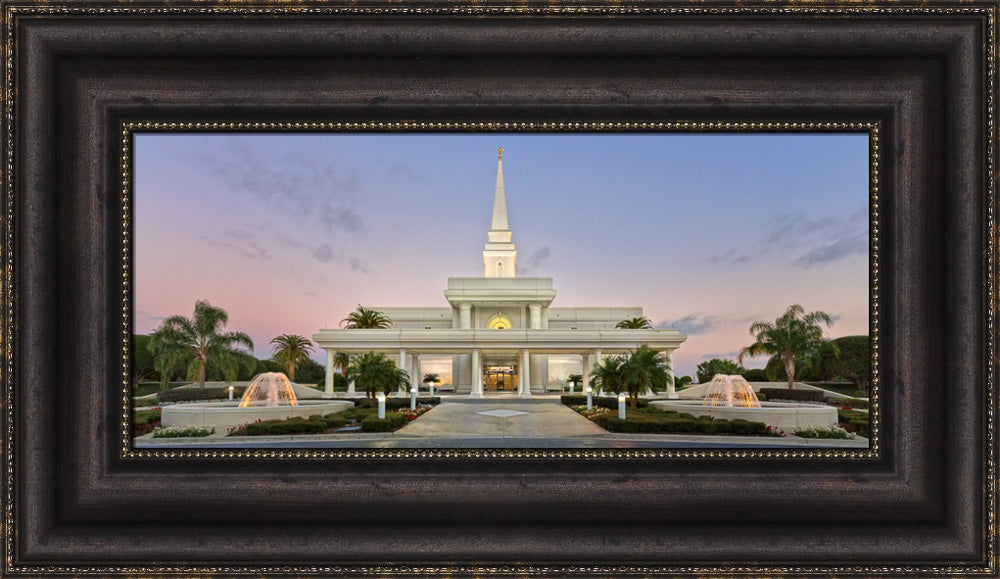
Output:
x,y
502,418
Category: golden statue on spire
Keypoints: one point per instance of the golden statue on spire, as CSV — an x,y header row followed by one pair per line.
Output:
x,y
499,153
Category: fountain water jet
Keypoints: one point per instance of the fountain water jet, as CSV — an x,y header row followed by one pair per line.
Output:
x,y
731,397
269,389
731,391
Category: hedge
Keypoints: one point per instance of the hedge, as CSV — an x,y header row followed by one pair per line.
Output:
x,y
678,423
796,395
855,421
397,403
297,425
602,401
376,424
189,394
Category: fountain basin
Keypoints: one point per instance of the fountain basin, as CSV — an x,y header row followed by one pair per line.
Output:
x,y
785,415
226,414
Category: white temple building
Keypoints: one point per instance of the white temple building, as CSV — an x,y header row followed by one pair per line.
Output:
x,y
499,329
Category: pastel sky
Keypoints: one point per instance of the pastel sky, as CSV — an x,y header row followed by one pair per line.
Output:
x,y
707,232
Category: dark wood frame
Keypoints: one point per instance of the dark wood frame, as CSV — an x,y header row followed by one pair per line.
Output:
x,y
73,503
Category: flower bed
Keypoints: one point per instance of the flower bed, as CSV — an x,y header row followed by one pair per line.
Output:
x,y
316,424
145,420
186,432
833,432
592,414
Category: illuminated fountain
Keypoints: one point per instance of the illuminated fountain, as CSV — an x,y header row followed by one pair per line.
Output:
x,y
731,391
269,396
269,389
729,397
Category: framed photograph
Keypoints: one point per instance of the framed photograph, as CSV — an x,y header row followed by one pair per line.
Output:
x,y
220,186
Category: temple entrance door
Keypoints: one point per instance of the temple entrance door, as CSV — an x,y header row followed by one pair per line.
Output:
x,y
500,378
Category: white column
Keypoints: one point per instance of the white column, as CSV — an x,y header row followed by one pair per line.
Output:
x,y
328,389
526,373
465,315
671,388
415,371
585,365
477,376
403,361
536,316
597,361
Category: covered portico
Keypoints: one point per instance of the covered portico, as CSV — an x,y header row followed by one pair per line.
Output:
x,y
407,345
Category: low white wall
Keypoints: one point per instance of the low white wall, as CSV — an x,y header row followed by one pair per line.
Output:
x,y
226,414
776,414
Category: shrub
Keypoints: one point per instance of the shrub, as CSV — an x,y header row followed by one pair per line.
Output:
x,y
602,401
741,426
187,432
854,421
834,432
755,375
708,369
390,422
190,394
670,422
795,395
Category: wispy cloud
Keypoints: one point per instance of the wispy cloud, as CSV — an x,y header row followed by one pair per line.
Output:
x,y
537,258
731,257
691,324
242,243
850,243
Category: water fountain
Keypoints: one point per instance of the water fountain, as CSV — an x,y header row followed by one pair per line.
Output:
x,y
268,396
731,391
730,397
269,389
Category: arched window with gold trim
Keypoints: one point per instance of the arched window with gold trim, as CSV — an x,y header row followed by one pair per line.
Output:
x,y
499,322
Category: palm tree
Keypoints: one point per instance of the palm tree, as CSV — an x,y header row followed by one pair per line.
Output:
x,y
168,356
640,323
644,370
291,349
431,379
608,375
201,339
794,335
374,372
574,379
364,318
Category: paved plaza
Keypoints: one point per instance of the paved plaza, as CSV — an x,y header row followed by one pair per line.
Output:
x,y
497,422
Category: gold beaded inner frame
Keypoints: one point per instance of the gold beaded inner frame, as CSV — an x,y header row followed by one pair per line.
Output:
x,y
128,129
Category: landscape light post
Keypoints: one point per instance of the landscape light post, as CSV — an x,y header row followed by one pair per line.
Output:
x,y
621,406
431,384
590,400
381,406
230,392
413,398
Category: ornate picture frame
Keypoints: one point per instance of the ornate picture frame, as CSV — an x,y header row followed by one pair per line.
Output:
x,y
79,499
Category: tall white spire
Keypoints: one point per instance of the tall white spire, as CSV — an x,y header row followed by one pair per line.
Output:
x,y
499,198
499,254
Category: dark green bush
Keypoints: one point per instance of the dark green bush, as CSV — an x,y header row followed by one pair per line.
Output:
x,y
795,395
334,420
855,421
615,424
188,394
741,426
755,375
375,424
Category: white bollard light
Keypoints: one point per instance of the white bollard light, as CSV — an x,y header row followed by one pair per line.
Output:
x,y
431,383
621,406
230,392
590,400
381,406
572,387
413,398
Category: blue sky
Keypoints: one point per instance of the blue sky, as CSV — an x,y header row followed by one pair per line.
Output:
x,y
707,232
